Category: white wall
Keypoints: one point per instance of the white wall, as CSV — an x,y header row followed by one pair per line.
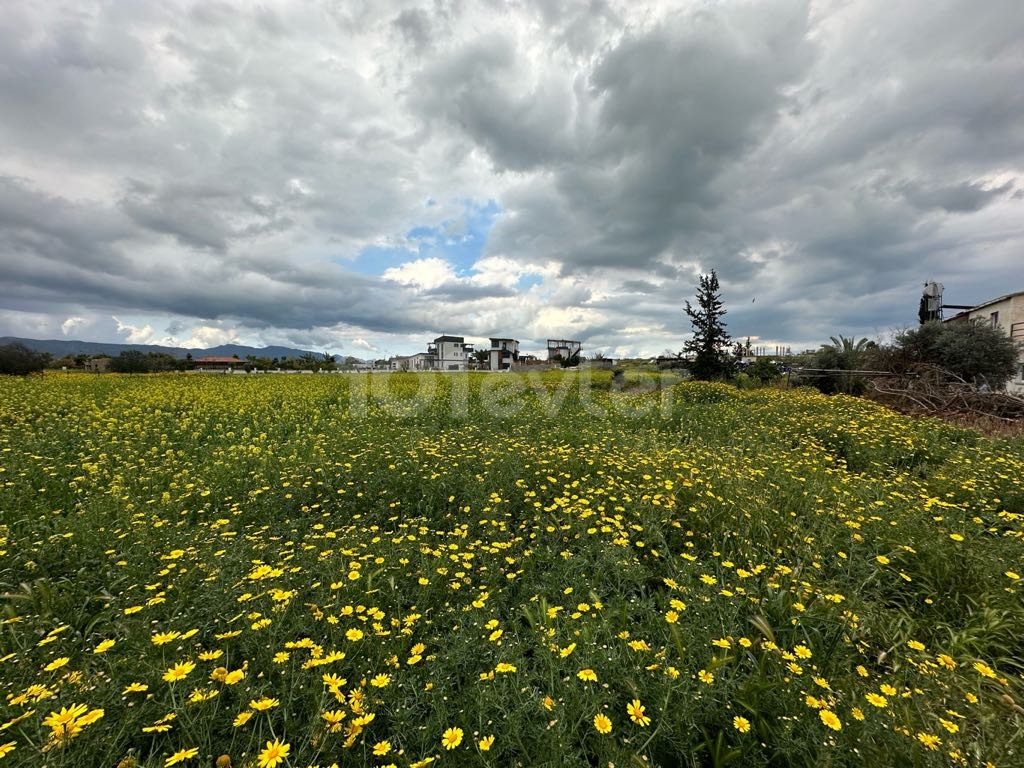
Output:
x,y
1011,321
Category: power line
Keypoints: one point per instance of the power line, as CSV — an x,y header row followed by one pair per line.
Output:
x,y
828,371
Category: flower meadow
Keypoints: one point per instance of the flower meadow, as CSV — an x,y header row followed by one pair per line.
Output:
x,y
500,570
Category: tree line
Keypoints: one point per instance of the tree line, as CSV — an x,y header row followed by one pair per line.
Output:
x,y
17,359
972,352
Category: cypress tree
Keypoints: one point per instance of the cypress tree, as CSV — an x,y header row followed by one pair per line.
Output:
x,y
710,340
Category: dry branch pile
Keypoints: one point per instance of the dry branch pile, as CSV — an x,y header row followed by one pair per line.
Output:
x,y
933,392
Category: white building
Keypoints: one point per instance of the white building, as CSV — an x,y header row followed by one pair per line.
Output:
x,y
421,361
503,353
1007,314
450,353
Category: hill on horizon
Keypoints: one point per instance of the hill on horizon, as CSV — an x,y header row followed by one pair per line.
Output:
x,y
62,347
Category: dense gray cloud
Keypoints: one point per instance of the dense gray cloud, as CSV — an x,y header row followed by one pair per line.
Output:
x,y
267,173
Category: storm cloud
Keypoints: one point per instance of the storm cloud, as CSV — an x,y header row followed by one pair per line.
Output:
x,y
359,175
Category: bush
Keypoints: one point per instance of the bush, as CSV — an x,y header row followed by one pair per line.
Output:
x,y
131,361
19,360
744,381
764,371
972,351
844,354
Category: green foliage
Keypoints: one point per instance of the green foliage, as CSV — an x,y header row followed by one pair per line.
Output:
x,y
709,344
843,354
714,553
744,381
131,361
973,351
136,361
763,370
19,360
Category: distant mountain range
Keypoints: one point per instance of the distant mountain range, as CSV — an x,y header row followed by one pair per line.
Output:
x,y
61,348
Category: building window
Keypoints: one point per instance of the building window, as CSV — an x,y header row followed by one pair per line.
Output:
x,y
994,317
1021,372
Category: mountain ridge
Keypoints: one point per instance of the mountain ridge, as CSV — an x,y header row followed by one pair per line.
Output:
x,y
62,347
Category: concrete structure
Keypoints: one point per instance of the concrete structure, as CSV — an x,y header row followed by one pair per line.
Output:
x,y
450,353
527,362
563,349
98,364
503,353
421,361
1007,314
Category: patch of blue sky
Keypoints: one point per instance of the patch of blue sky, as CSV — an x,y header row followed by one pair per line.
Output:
x,y
459,241
528,280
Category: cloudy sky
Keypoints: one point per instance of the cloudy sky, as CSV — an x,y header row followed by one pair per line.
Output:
x,y
361,175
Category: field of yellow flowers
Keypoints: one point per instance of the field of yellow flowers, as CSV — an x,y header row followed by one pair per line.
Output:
x,y
500,570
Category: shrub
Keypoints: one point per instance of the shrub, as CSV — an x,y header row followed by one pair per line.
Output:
x,y
744,381
19,360
131,361
972,351
843,354
764,371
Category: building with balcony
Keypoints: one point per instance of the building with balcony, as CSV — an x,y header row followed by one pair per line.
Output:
x,y
563,350
450,353
503,353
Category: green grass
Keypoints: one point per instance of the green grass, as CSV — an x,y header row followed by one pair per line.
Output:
x,y
551,522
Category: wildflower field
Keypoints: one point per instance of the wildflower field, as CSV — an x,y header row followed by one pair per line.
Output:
x,y
500,570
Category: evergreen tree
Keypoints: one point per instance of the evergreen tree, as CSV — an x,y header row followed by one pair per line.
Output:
x,y
710,342
923,313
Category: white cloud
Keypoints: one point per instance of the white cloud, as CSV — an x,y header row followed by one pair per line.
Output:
x,y
133,334
826,157
426,273
364,345
203,336
71,324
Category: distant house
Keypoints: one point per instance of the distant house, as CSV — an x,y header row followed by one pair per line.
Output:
x,y
214,363
560,350
1007,314
450,353
531,362
98,364
421,361
503,353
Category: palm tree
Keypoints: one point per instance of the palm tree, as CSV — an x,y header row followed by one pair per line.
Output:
x,y
847,346
844,354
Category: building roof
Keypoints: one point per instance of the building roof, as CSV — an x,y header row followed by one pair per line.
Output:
x,y
439,339
963,313
996,301
496,338
215,359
